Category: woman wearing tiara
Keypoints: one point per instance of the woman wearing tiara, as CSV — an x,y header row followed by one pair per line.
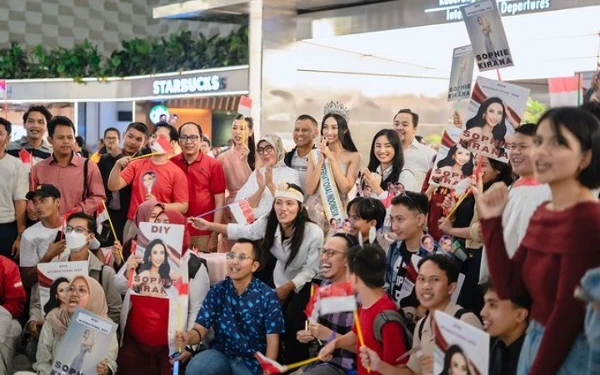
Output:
x,y
335,157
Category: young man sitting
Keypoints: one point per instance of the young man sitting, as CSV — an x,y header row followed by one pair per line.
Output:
x,y
505,320
366,271
436,282
246,317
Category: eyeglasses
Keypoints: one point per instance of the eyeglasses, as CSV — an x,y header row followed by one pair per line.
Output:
x,y
185,138
80,291
328,253
412,202
70,229
267,149
241,257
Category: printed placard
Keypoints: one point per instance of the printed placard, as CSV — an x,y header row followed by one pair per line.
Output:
x,y
494,112
459,345
53,282
454,163
461,74
159,246
486,32
85,344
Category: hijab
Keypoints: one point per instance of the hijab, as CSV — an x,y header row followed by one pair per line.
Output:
x,y
59,319
142,215
277,144
176,217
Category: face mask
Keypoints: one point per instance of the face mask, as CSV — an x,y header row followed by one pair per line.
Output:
x,y
75,241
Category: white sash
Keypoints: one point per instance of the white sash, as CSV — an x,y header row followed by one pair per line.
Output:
x,y
328,191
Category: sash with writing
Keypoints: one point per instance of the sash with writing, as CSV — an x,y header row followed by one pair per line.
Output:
x,y
328,191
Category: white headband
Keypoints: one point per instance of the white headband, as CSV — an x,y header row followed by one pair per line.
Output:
x,y
285,191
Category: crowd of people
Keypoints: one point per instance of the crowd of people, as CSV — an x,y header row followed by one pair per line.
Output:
x,y
511,258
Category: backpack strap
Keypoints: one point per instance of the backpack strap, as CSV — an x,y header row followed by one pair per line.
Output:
x,y
381,319
85,180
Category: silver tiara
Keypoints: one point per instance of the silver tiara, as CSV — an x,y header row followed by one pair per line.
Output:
x,y
337,108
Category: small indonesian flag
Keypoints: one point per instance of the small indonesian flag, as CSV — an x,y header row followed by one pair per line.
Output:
x,y
107,255
162,145
242,212
268,365
564,91
26,159
101,217
245,106
183,288
336,298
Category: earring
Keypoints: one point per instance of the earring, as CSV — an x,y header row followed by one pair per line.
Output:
x,y
360,238
372,234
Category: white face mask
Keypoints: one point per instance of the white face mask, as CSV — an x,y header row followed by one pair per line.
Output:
x,y
75,241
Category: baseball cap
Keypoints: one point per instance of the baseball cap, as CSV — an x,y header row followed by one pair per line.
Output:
x,y
44,190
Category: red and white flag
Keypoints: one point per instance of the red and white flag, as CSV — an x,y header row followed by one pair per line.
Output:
x,y
26,159
335,298
101,217
245,106
564,91
268,365
242,212
161,145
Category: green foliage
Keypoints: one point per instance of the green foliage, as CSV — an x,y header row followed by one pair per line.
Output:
x,y
533,111
177,52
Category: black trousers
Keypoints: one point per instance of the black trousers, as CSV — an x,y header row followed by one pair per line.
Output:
x,y
293,313
8,235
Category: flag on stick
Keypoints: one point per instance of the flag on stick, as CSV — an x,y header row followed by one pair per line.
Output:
x,y
162,145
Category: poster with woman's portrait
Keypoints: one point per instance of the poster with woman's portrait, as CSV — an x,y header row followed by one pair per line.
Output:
x,y
461,74
159,246
85,344
590,85
460,349
454,163
494,112
53,282
486,32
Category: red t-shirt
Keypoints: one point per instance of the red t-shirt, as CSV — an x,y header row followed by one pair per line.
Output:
x,y
205,179
148,320
166,182
392,335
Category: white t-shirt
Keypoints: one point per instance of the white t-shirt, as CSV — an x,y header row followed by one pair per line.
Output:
x,y
34,243
13,186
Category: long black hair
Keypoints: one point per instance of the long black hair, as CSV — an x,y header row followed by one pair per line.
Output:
x,y
251,142
499,131
504,173
165,269
467,168
298,225
53,302
343,131
397,160
450,352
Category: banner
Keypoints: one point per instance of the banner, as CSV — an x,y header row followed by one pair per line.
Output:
x,y
55,277
454,164
461,74
495,111
85,344
159,245
487,36
459,345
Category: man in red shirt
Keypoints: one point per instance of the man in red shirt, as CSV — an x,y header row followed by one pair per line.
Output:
x,y
206,184
12,305
366,269
153,178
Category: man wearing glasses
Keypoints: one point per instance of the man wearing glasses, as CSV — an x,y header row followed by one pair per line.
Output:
x,y
206,184
246,317
170,185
